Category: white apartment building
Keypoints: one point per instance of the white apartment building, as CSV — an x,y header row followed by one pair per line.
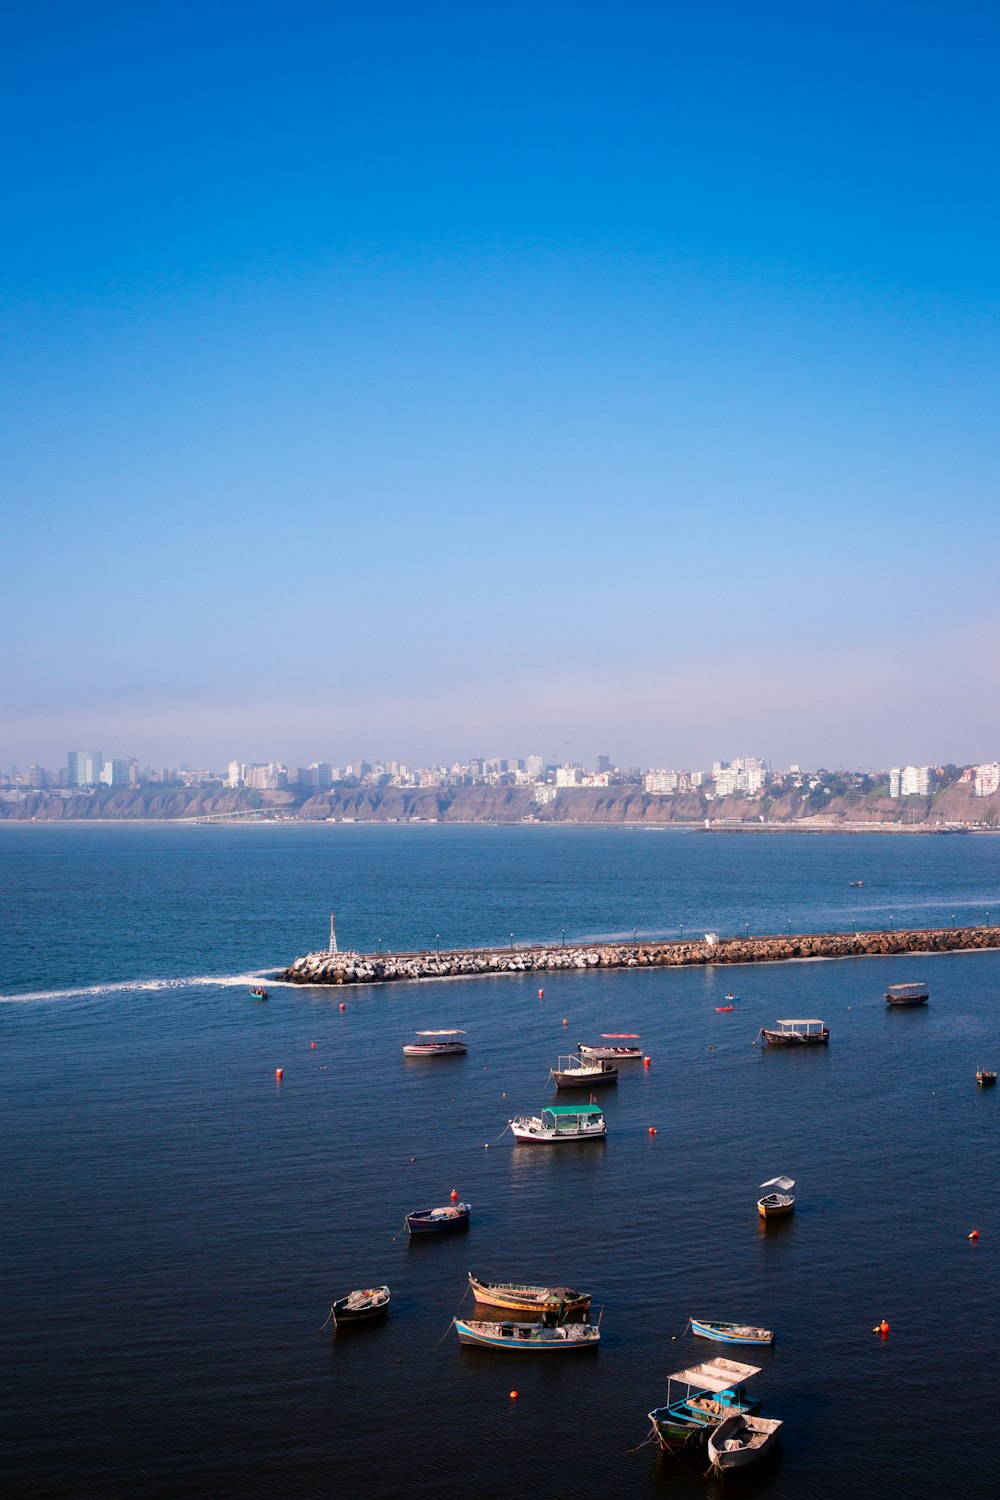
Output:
x,y
742,775
544,794
661,783
911,781
988,779
236,773
568,776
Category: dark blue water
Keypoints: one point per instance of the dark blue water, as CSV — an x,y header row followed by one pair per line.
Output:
x,y
174,1222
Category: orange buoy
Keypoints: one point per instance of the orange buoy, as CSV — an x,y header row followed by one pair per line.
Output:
x,y
279,1072
974,1235
646,1061
541,994
652,1129
342,1005
883,1328
312,1044
454,1194
565,1022
513,1395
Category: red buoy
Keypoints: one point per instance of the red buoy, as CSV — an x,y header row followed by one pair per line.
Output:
x,y
652,1129
454,1194
513,1395
279,1072
646,1061
312,1044
974,1235
342,1005
541,994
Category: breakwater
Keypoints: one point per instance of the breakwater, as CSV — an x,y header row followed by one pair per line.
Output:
x,y
388,968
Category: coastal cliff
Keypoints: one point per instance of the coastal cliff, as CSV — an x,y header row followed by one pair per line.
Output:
x,y
956,805
386,968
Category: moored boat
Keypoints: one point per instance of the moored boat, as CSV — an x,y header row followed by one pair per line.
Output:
x,y
796,1034
546,1337
575,1072
907,994
986,1078
560,1122
439,1220
436,1044
357,1306
741,1441
780,1202
258,992
712,1391
516,1296
614,1045
731,1333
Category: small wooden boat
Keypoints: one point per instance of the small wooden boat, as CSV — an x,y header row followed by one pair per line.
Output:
x,y
857,884
560,1122
614,1045
575,1072
258,992
731,1333
741,1441
986,1078
357,1306
439,1220
436,1044
796,1034
778,1203
549,1337
515,1296
713,1391
907,994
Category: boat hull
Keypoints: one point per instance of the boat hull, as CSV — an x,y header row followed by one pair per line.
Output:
x,y
434,1049
610,1054
584,1078
518,1298
757,1438
769,1209
528,1338
795,1038
732,1333
377,1307
439,1221
685,1423
526,1136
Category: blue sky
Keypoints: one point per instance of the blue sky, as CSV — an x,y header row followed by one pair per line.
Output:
x,y
420,381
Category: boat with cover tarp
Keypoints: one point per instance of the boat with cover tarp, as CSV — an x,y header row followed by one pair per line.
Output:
x,y
731,1333
796,1034
436,1044
741,1441
560,1122
439,1220
614,1045
548,1337
516,1296
779,1202
372,1302
575,1072
907,994
712,1391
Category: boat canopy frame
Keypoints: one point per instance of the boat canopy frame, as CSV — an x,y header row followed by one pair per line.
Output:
x,y
713,1375
782,1184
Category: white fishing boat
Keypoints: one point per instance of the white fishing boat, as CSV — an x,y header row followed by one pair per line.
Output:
x,y
560,1122
742,1440
614,1045
575,1072
811,1033
436,1044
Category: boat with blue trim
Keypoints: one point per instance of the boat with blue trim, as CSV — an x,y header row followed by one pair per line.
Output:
x,y
731,1333
713,1391
548,1337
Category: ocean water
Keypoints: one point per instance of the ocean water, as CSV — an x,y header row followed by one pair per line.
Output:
x,y
175,1221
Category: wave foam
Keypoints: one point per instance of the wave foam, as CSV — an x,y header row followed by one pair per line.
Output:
x,y
140,986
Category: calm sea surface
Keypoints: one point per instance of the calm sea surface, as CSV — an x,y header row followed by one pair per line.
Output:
x,y
174,1222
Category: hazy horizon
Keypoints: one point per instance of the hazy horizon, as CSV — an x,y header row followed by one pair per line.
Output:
x,y
428,383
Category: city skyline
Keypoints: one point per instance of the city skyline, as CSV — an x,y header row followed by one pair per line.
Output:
x,y
492,375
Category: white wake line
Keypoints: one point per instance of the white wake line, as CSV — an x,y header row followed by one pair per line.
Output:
x,y
138,986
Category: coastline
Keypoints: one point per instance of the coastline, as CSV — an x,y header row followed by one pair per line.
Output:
x,y
350,968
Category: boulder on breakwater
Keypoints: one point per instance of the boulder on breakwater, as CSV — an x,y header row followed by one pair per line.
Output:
x,y
388,968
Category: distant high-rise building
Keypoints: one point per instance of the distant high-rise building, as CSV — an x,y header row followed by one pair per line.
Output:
x,y
602,763
83,767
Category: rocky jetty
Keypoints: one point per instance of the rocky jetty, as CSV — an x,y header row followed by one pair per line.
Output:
x,y
388,968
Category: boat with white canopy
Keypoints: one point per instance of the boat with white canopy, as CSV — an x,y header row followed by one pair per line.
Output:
x,y
779,1202
614,1045
436,1044
810,1033
575,1072
712,1391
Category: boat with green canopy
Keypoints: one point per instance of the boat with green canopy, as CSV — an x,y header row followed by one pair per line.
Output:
x,y
561,1122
